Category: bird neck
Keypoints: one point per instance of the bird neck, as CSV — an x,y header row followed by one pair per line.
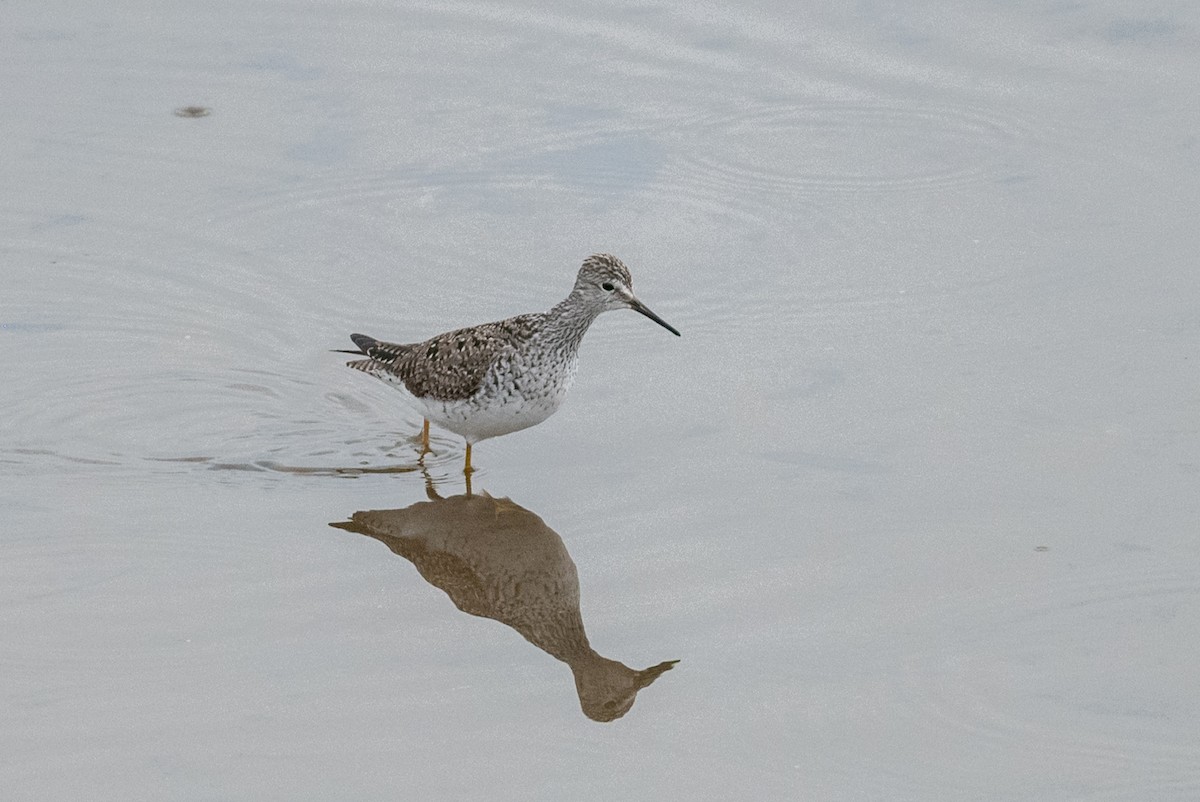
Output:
x,y
569,320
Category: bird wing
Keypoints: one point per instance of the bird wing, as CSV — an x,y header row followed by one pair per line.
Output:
x,y
450,366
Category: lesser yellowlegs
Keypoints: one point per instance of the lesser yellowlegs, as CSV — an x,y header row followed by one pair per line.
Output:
x,y
497,378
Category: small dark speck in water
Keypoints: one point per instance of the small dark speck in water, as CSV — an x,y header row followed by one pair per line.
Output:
x,y
193,111
1041,548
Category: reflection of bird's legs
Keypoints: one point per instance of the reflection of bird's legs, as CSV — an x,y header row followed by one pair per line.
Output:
x,y
430,490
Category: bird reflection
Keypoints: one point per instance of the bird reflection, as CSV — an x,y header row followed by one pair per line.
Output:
x,y
496,559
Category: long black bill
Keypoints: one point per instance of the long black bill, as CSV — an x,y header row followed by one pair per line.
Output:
x,y
638,306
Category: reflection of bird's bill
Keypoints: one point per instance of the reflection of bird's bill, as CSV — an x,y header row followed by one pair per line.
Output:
x,y
648,675
638,306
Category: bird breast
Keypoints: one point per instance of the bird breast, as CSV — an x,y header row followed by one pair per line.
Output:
x,y
531,378
519,390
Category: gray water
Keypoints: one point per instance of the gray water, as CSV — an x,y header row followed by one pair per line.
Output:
x,y
913,501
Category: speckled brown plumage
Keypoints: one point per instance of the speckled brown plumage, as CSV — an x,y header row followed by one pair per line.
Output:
x,y
450,366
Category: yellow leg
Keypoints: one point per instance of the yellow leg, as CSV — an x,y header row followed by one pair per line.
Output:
x,y
425,449
467,469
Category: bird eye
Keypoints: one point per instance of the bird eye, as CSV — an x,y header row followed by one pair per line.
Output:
x,y
607,286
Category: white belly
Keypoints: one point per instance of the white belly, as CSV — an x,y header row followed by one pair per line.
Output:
x,y
502,406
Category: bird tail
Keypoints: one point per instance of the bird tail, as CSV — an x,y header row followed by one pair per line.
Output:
x,y
367,366
379,355
365,345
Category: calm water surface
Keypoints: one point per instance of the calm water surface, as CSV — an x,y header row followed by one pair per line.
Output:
x,y
913,501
